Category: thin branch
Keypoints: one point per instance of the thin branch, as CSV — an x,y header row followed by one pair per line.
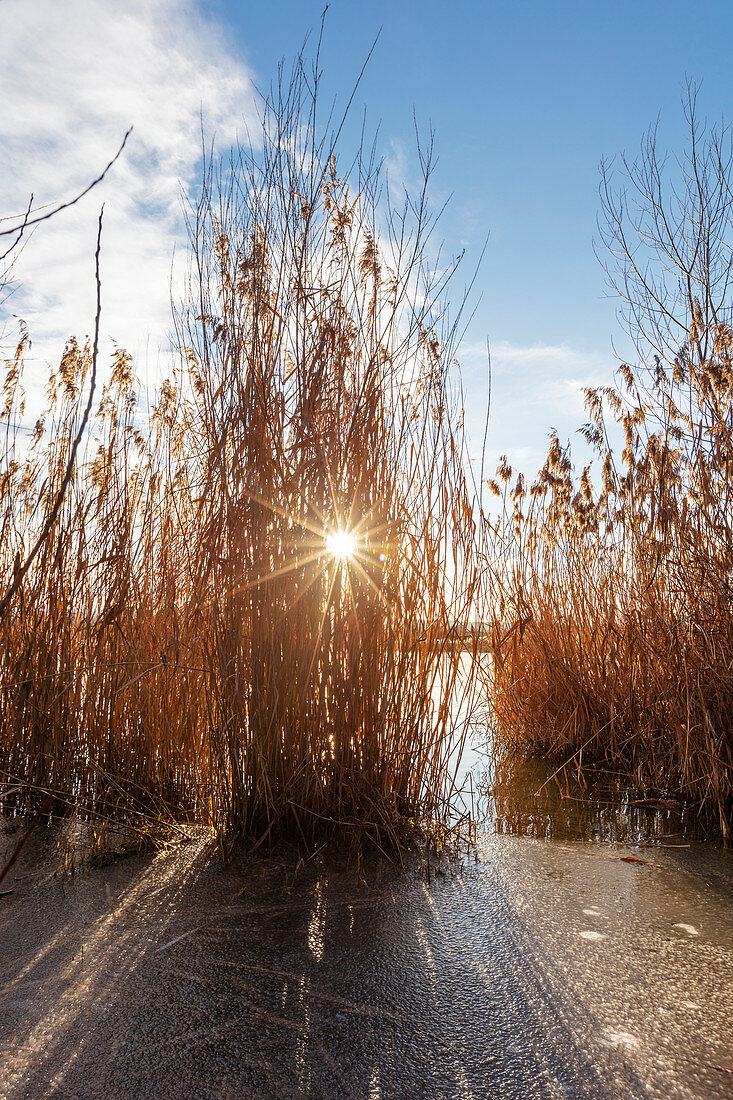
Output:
x,y
28,221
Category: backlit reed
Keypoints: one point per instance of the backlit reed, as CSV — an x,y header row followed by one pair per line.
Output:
x,y
187,640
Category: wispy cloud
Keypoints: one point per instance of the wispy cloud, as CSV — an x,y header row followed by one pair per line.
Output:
x,y
399,171
535,387
73,77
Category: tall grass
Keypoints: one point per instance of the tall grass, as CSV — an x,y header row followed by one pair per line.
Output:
x,y
187,640
612,607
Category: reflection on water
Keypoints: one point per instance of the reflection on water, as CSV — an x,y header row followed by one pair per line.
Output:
x,y
505,791
525,796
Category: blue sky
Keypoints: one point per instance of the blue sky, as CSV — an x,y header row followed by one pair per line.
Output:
x,y
525,99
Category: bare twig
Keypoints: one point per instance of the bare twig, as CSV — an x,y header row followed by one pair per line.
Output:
x,y
28,221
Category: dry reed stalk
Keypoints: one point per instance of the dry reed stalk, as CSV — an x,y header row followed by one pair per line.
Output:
x,y
613,609
186,640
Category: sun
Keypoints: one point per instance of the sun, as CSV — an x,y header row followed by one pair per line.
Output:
x,y
342,544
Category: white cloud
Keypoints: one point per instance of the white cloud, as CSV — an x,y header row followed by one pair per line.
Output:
x,y
73,77
399,171
534,388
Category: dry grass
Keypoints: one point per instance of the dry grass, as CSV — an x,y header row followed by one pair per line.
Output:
x,y
185,642
614,636
614,632
612,607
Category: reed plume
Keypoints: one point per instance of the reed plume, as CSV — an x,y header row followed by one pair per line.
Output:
x,y
246,608
612,616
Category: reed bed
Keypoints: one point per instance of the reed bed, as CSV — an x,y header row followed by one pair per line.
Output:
x,y
242,612
611,607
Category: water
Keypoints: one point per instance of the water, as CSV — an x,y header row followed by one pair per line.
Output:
x,y
582,948
509,793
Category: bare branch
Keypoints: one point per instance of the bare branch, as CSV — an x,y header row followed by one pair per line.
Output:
x,y
28,221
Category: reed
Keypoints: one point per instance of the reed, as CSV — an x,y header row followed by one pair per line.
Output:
x,y
243,610
612,617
